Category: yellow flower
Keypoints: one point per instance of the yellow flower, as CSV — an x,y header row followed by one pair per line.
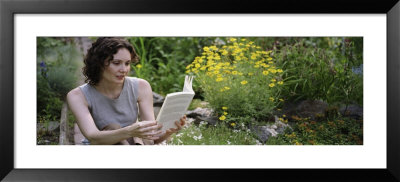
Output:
x,y
272,85
244,82
222,118
251,73
219,79
243,39
271,99
232,39
221,90
206,49
283,115
280,82
279,70
139,66
269,59
234,72
280,119
273,80
225,113
265,72
227,88
224,108
281,101
233,124
197,65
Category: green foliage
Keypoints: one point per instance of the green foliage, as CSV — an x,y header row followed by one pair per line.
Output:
x,y
317,73
48,104
340,131
57,70
163,60
239,77
212,135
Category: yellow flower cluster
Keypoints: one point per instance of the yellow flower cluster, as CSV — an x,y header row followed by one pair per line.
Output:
x,y
240,66
223,117
231,59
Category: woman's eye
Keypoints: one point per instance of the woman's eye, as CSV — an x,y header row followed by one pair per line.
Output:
x,y
116,63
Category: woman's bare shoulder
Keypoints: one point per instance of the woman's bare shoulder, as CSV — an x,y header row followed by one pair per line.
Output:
x,y
142,83
76,95
75,92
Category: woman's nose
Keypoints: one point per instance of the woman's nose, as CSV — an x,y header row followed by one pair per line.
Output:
x,y
123,68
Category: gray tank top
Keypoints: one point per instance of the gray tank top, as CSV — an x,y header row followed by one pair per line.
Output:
x,y
123,110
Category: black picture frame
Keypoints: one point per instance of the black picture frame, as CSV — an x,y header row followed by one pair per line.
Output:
x,y
9,8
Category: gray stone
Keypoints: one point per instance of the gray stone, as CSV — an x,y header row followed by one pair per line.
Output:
x,y
306,108
211,120
264,132
158,100
201,112
354,111
156,110
50,127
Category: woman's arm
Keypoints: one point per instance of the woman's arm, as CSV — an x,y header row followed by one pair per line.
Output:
x,y
79,107
145,101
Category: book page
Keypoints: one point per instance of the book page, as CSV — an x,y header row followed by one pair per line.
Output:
x,y
174,107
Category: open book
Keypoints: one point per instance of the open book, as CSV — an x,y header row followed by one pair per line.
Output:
x,y
175,105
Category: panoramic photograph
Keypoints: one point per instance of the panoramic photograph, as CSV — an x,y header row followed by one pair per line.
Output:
x,y
199,91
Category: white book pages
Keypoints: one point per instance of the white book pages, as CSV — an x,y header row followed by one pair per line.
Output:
x,y
175,105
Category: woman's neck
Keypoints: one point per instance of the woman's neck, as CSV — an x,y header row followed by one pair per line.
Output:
x,y
111,90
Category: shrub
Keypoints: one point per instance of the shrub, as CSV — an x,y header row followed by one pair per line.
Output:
x,y
321,73
340,131
238,80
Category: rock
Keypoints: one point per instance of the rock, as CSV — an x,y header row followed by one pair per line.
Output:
x,y
306,108
158,100
353,111
262,133
270,130
156,110
51,126
202,112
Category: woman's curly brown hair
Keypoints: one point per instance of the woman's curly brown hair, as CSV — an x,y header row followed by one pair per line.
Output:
x,y
101,53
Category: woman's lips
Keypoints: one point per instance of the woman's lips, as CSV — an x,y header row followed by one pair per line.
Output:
x,y
120,77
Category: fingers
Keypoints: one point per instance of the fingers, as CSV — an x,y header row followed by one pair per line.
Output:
x,y
178,125
144,124
183,120
150,128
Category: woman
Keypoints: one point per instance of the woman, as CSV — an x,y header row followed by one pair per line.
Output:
x,y
106,107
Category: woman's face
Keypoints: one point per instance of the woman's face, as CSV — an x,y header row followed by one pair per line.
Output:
x,y
118,68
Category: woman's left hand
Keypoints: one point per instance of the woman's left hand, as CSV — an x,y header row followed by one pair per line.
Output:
x,y
179,125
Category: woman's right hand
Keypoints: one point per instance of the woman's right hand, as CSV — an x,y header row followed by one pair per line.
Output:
x,y
150,130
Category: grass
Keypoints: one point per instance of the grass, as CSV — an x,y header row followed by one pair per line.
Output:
x,y
219,134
